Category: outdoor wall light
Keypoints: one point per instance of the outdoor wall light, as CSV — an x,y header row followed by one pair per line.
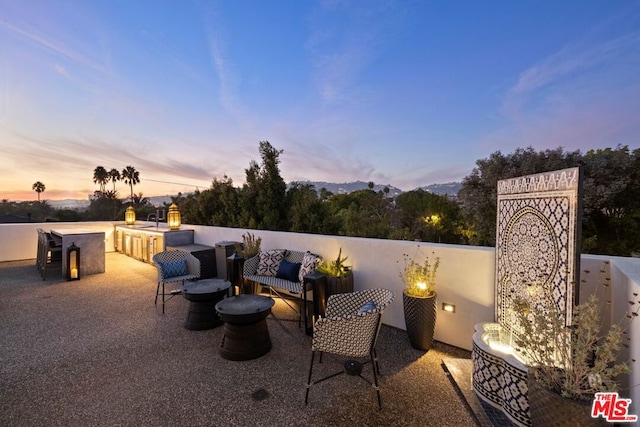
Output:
x,y
448,307
130,216
73,262
173,218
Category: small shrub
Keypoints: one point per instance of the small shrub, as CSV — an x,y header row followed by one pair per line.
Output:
x,y
334,268
573,361
249,247
419,279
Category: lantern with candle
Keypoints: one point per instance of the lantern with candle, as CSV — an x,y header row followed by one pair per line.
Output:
x,y
130,216
73,262
173,218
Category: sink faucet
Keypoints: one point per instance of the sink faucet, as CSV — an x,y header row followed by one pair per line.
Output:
x,y
158,216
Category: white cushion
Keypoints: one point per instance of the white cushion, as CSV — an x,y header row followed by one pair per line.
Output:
x,y
269,262
308,265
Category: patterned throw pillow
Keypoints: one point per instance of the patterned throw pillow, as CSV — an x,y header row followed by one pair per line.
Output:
x,y
269,262
309,264
174,268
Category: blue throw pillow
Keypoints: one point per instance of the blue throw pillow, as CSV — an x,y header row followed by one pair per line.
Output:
x,y
367,307
174,268
288,270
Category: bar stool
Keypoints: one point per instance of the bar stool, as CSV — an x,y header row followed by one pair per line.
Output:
x,y
50,253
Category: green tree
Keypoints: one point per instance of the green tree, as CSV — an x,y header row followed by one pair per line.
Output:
x,y
611,212
37,211
478,195
103,208
100,177
139,200
362,213
131,177
111,194
227,203
217,205
69,215
38,187
262,198
611,189
307,213
425,216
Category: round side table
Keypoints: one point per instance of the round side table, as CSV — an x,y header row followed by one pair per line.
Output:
x,y
203,296
246,335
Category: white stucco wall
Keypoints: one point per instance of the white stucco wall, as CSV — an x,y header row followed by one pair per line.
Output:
x,y
20,241
465,277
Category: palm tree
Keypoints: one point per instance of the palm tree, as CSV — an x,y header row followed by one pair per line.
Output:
x,y
140,200
113,195
100,176
114,174
131,177
38,187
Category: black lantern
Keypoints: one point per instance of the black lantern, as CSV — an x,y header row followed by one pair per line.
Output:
x,y
73,262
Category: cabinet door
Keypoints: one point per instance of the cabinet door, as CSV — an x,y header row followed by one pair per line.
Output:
x,y
155,245
152,244
119,246
127,243
136,241
144,250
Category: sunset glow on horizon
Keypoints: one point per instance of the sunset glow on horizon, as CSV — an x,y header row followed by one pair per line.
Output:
x,y
400,93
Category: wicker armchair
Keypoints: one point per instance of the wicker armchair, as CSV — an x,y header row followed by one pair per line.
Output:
x,y
350,329
174,266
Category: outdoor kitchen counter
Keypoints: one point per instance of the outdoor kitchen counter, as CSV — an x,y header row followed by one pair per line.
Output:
x,y
92,249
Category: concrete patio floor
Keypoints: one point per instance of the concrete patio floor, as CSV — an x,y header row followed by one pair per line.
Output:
x,y
98,352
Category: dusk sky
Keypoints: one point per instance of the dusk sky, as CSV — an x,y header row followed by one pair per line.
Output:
x,y
407,93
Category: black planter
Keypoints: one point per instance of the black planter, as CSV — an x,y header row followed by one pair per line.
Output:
x,y
547,408
340,285
325,286
420,320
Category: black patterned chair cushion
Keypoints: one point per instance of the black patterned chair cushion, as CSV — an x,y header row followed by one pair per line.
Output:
x,y
269,262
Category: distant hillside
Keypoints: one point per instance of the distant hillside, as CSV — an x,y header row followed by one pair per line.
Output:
x,y
81,204
69,204
450,188
348,187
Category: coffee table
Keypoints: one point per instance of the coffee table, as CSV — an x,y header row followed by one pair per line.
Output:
x,y
246,335
203,296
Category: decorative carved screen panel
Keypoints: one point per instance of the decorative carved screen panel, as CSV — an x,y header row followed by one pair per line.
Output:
x,y
537,244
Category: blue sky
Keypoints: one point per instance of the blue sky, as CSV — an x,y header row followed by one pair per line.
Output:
x,y
406,93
